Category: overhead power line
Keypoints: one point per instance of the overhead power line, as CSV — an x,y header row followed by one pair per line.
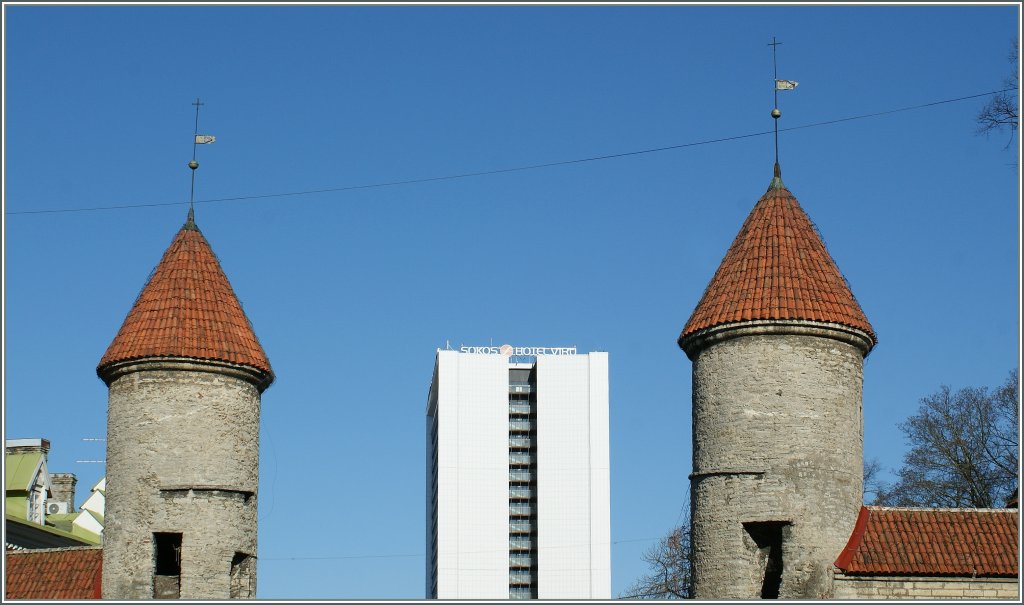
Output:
x,y
513,169
401,556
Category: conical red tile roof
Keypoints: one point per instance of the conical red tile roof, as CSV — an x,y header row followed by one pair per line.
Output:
x,y
777,268
188,309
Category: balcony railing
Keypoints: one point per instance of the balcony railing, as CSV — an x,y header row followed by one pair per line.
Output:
x,y
520,508
520,458
519,407
516,543
520,474
520,526
520,424
520,576
522,492
517,441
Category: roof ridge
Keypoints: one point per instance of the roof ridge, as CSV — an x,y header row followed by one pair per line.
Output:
x,y
944,509
55,549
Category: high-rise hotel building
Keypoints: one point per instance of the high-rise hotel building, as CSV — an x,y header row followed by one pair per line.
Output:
x,y
517,475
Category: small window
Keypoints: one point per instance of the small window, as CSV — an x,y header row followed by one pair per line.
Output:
x,y
768,537
167,565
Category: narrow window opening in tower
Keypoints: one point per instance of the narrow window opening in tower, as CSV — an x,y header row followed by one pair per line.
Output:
x,y
768,537
166,565
243,576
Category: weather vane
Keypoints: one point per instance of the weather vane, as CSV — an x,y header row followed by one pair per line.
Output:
x,y
779,85
200,139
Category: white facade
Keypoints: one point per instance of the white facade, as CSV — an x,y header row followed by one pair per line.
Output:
x,y
518,477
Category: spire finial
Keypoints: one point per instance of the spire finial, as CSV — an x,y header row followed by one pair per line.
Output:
x,y
776,178
190,221
194,164
776,114
198,139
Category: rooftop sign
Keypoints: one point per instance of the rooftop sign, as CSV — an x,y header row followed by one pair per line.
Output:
x,y
510,351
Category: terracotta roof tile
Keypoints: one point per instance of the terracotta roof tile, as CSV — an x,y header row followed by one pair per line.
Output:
x,y
54,573
777,268
932,542
188,309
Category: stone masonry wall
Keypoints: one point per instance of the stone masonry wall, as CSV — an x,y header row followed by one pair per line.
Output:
x,y
777,437
182,457
911,587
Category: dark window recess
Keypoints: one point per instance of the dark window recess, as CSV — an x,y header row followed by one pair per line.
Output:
x,y
768,536
243,576
167,565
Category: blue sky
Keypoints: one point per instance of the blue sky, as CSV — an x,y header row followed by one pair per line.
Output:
x,y
352,291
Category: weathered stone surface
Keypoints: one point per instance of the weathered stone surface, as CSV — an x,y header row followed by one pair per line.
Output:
x,y
910,587
167,587
777,437
182,457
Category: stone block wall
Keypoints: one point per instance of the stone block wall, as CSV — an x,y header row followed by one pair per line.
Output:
x,y
929,588
182,458
777,440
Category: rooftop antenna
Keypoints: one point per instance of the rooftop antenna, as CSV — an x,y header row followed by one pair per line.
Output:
x,y
776,114
198,139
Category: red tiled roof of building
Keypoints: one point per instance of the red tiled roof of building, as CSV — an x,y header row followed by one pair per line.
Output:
x,y
932,542
777,268
188,309
54,573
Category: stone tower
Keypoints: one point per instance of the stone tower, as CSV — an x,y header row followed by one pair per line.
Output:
x,y
185,373
778,344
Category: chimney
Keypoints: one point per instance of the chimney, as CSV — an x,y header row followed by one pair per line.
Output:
x,y
26,446
62,489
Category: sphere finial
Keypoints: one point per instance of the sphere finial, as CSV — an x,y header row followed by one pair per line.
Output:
x,y
776,113
193,164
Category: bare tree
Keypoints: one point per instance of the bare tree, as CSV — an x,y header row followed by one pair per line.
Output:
x,y
1002,111
670,564
873,483
963,449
